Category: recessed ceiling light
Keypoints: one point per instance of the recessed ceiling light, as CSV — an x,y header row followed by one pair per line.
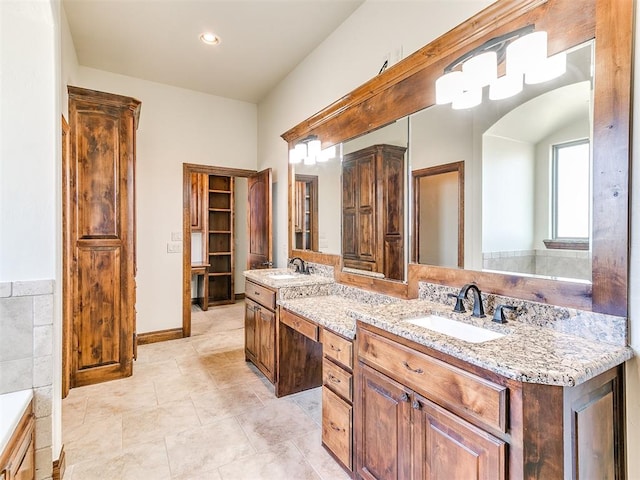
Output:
x,y
210,38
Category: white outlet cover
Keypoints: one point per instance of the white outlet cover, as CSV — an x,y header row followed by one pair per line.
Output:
x,y
176,236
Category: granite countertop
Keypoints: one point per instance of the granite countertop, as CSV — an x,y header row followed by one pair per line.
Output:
x,y
269,278
526,353
330,311
12,408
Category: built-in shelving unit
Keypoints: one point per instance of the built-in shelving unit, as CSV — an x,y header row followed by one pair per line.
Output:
x,y
220,240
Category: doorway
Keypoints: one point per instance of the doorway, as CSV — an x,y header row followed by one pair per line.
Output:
x,y
222,235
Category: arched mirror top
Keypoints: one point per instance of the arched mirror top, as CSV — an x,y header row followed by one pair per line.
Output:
x,y
409,87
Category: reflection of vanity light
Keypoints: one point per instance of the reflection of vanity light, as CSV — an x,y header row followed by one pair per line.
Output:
x,y
526,58
327,154
307,149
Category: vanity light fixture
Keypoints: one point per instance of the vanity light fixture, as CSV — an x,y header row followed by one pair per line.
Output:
x,y
306,150
209,38
525,54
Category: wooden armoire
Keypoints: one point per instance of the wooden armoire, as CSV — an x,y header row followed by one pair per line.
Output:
x,y
373,210
99,236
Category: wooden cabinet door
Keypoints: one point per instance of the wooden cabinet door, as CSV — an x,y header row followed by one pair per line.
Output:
x,y
366,208
100,196
266,326
383,427
251,309
349,227
259,221
198,192
447,447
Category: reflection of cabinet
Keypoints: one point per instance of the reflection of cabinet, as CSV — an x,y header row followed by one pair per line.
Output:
x,y
418,416
17,461
220,240
260,328
306,212
373,210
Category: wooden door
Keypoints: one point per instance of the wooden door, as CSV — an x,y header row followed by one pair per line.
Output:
x,y
383,428
101,211
259,221
366,208
447,447
349,227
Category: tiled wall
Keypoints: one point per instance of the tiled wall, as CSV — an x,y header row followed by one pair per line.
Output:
x,y
26,355
555,263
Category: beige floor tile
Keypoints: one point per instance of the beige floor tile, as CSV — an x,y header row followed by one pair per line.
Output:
x,y
145,461
276,422
120,399
282,462
193,453
310,401
234,374
74,412
93,439
173,389
223,403
262,388
154,423
218,342
310,445
155,352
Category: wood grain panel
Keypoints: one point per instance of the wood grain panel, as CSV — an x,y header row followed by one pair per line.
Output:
x,y
97,156
97,323
337,424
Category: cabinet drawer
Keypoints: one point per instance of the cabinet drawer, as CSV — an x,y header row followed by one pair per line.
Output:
x,y
337,379
260,294
299,324
469,395
338,348
337,427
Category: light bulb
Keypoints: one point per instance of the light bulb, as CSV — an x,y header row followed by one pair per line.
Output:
x,y
448,87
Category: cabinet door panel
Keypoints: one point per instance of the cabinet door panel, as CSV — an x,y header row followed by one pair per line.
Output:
x,y
447,447
267,337
384,425
250,337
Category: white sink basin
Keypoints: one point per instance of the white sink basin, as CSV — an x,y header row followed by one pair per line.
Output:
x,y
453,328
281,276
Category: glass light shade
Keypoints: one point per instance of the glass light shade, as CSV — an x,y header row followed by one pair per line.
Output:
x,y
480,70
294,155
310,160
548,69
467,99
525,52
448,87
313,148
327,154
505,87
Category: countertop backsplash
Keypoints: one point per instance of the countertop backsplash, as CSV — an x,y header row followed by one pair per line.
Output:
x,y
589,325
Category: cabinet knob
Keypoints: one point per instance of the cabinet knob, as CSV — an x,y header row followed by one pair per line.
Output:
x,y
415,404
335,427
333,379
404,397
334,348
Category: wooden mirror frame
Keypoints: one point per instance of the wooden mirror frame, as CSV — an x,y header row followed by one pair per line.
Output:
x,y
408,87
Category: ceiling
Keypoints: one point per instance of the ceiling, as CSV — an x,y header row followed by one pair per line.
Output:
x,y
158,40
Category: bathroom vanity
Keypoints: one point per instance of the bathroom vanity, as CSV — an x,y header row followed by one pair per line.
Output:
x,y
17,436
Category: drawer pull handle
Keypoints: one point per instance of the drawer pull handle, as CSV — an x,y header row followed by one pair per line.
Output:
x,y
415,404
256,293
333,378
334,348
404,397
414,370
335,427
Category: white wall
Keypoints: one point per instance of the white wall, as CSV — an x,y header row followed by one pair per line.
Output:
x,y
176,126
349,57
507,194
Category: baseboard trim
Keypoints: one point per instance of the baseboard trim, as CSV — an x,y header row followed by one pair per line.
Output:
x,y
59,466
159,336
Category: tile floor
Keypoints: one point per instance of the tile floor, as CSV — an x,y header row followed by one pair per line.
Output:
x,y
194,409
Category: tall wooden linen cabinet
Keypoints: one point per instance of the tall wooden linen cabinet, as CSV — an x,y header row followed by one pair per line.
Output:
x,y
373,210
99,236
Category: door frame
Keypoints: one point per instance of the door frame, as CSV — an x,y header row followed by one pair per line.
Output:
x,y
187,170
457,167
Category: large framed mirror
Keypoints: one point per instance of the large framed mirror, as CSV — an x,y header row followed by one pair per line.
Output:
x,y
409,87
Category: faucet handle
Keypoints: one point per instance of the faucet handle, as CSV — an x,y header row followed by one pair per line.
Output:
x,y
498,315
459,308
